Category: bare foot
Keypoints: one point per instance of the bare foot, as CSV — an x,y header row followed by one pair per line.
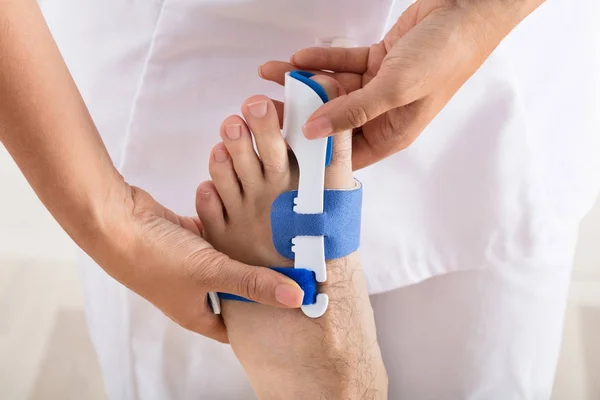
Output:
x,y
286,354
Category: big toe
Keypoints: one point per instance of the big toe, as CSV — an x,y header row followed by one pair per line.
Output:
x,y
262,118
330,85
338,174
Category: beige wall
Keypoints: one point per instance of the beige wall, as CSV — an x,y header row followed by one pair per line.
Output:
x,y
45,352
578,375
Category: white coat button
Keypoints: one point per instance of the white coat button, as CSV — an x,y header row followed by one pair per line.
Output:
x,y
343,42
335,42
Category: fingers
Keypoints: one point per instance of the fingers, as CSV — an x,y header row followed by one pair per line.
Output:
x,y
336,59
211,271
152,261
214,271
346,112
275,71
388,75
174,268
353,110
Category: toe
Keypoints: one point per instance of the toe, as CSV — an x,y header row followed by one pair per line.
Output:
x,y
238,141
261,114
223,175
209,208
330,85
339,173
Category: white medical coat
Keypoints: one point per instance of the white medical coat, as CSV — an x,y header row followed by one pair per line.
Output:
x,y
470,231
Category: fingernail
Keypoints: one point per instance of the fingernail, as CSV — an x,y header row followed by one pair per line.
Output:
x,y
233,131
289,295
260,71
258,109
318,128
221,156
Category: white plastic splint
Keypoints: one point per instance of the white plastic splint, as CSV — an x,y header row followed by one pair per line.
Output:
x,y
309,251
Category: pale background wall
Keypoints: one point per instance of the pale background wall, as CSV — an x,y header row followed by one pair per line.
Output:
x,y
45,352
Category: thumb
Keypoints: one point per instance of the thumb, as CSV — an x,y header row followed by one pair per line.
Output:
x,y
352,110
258,284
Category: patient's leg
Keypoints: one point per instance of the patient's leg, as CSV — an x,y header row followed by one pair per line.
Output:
x,y
286,354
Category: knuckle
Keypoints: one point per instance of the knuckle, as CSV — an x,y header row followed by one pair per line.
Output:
x,y
356,116
249,284
199,267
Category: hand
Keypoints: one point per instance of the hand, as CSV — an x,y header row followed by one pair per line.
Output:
x,y
159,255
48,131
397,86
162,257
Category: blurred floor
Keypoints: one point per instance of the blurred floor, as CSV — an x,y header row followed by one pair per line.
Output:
x,y
45,347
45,352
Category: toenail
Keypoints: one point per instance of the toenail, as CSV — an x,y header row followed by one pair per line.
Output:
x,y
258,109
221,156
203,195
233,131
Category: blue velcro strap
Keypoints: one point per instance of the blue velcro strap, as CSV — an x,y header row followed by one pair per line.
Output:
x,y
303,277
339,223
